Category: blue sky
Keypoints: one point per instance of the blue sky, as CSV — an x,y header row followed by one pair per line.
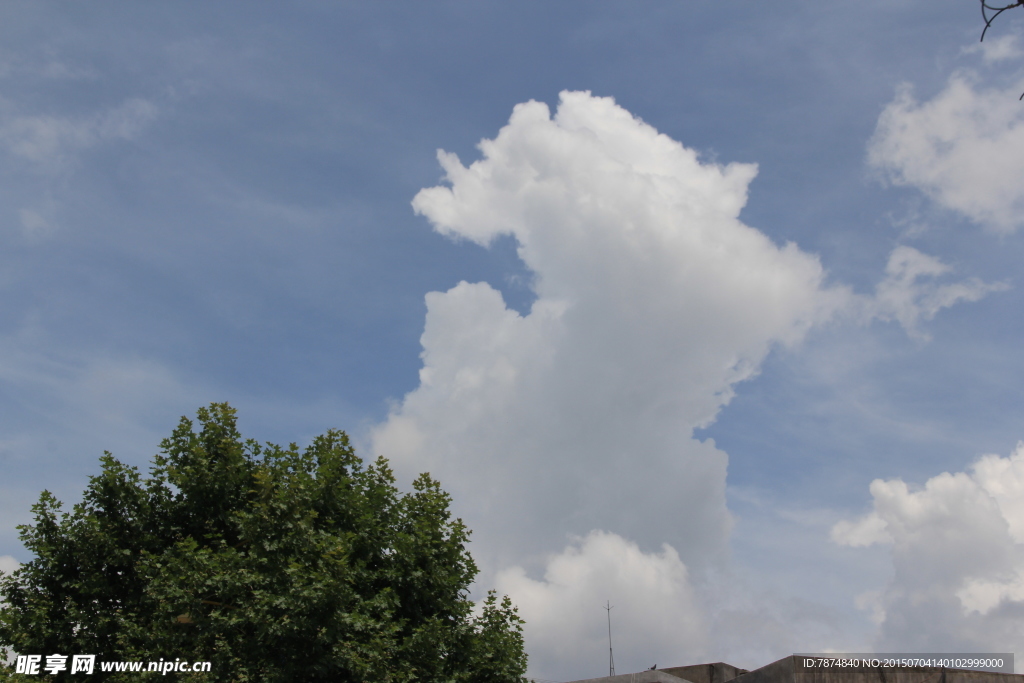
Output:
x,y
641,393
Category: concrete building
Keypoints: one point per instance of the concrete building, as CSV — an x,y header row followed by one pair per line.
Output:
x,y
697,673
791,670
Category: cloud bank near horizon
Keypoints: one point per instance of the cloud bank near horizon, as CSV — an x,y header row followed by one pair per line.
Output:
x,y
957,547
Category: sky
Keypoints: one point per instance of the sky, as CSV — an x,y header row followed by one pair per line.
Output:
x,y
707,311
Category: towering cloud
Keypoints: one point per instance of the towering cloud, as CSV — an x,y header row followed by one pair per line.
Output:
x,y
566,434
653,301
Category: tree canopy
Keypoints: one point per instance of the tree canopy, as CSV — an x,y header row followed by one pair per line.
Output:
x,y
273,564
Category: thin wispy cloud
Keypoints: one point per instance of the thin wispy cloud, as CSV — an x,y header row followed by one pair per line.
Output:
x,y
51,142
911,292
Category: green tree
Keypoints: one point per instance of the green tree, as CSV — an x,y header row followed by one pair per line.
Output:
x,y
272,563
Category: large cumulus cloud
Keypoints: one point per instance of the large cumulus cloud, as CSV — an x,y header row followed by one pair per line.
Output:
x,y
653,301
565,434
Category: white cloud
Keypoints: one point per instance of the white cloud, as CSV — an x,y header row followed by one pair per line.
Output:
x,y
8,564
33,226
655,616
871,602
661,612
909,293
59,70
653,301
997,49
958,557
964,148
52,141
868,530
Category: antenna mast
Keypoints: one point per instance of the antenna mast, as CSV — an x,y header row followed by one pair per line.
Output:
x,y
611,657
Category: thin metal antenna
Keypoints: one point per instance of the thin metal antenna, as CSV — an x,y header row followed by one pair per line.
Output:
x,y
611,657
